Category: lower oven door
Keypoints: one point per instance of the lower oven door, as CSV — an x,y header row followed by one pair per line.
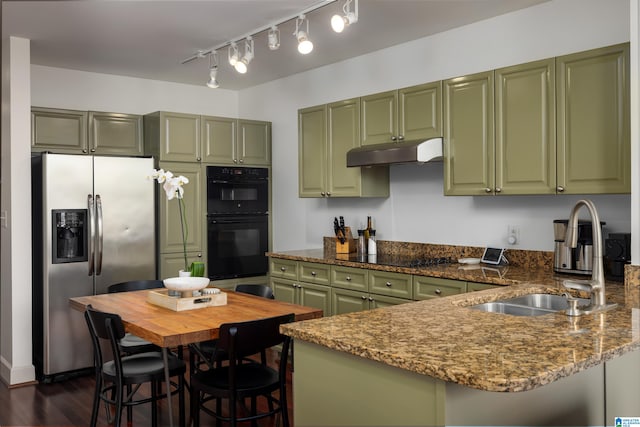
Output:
x,y
237,246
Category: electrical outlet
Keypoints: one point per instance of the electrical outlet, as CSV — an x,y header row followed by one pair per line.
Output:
x,y
513,234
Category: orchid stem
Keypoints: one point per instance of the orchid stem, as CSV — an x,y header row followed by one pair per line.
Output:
x,y
184,229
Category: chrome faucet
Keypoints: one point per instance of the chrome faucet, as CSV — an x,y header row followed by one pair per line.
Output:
x,y
595,286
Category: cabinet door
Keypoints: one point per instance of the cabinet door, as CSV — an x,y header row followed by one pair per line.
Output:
x,y
593,121
179,137
115,134
379,118
344,301
284,290
58,131
254,143
312,157
317,296
434,287
469,135
356,279
283,268
171,263
525,129
343,133
472,286
379,301
169,213
219,140
390,284
420,111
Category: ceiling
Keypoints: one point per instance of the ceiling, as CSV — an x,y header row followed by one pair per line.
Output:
x,y
150,39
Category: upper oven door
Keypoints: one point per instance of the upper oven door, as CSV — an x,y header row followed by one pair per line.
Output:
x,y
237,190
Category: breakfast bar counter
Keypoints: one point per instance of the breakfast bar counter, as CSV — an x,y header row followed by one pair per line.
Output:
x,y
458,362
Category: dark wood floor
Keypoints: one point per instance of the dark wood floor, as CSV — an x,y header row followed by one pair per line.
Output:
x,y
68,403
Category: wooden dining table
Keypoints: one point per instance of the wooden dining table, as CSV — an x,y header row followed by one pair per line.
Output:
x,y
167,328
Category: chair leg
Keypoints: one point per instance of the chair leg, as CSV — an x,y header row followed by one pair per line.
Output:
x,y
194,400
254,411
154,404
118,413
233,410
181,414
129,409
96,400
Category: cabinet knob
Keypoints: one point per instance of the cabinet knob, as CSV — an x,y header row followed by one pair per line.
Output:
x,y
498,190
235,161
322,193
438,291
313,273
84,150
560,188
241,160
401,138
364,298
348,278
487,190
93,150
394,138
199,255
328,194
283,268
388,284
370,298
198,159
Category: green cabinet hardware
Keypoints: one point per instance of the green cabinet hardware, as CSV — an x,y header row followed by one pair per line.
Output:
x,y
434,287
283,268
402,115
473,286
325,134
593,121
82,132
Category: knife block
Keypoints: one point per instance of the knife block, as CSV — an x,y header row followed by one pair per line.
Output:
x,y
349,246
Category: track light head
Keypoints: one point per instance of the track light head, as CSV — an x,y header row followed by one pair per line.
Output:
x,y
305,45
233,54
339,22
274,38
241,65
213,71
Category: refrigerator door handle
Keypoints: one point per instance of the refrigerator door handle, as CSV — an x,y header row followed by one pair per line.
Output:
x,y
92,233
100,236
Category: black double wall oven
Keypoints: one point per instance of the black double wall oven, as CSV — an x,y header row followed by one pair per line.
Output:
x,y
237,222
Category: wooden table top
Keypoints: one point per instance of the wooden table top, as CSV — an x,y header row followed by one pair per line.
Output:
x,y
168,328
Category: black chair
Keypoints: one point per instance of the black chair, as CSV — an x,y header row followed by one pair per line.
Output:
x,y
207,351
132,344
128,372
240,380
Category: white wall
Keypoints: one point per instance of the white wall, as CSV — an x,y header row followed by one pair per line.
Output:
x,y
416,210
80,90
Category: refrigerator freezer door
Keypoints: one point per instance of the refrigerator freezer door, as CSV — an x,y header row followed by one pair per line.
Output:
x,y
66,341
125,210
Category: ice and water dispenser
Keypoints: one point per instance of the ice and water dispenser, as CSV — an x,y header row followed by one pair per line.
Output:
x,y
69,240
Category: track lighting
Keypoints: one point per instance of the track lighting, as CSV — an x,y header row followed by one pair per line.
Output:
x,y
304,44
241,66
274,38
213,71
339,22
234,56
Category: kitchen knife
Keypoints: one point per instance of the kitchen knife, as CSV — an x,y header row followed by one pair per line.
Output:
x,y
343,232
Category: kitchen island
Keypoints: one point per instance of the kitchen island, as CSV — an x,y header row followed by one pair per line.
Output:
x,y
438,362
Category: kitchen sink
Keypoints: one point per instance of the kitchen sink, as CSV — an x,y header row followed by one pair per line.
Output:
x,y
528,305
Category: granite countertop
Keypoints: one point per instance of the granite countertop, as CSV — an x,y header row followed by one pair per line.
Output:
x,y
445,339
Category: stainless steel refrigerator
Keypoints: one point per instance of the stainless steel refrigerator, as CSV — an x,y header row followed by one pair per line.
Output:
x,y
93,226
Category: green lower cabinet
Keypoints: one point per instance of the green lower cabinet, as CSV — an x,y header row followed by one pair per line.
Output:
x,y
355,279
434,287
472,286
283,268
390,284
307,294
284,290
346,301
380,301
171,263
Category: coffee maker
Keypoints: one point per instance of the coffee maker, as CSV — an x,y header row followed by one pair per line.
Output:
x,y
578,260
617,253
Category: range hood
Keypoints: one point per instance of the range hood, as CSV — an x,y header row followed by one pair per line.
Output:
x,y
396,152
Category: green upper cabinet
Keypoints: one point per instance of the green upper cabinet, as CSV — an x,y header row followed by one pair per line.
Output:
x,y
312,151
172,136
115,134
219,136
402,115
59,131
326,134
82,132
253,143
593,121
525,146
170,235
469,135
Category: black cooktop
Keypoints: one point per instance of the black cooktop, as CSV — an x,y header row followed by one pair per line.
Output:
x,y
402,261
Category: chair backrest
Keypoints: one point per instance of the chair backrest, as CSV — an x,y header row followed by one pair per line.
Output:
x,y
135,285
107,326
244,339
263,291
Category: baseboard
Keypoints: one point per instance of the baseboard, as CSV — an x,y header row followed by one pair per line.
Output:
x,y
14,376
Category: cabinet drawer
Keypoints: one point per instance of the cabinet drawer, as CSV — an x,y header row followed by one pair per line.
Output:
x,y
314,273
391,284
284,268
349,278
472,286
433,287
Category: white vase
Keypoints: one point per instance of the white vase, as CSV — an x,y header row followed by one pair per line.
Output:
x,y
182,273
